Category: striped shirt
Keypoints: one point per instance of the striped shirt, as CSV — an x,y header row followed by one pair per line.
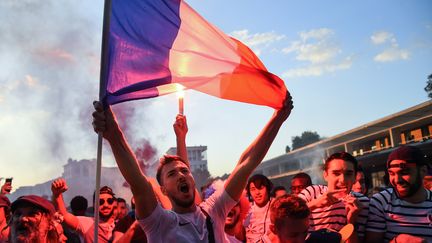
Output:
x,y
392,215
334,216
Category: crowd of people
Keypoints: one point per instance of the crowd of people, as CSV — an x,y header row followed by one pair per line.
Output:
x,y
247,207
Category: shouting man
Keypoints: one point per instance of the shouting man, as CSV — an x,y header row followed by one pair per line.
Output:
x,y
187,222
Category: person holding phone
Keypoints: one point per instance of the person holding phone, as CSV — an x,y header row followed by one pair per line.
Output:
x,y
7,187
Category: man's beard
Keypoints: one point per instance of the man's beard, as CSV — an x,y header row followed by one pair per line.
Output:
x,y
106,217
26,233
412,188
183,203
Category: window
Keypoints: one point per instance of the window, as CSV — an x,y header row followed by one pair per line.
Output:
x,y
378,179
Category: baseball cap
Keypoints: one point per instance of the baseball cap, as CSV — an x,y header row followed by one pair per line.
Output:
x,y
38,201
409,154
106,190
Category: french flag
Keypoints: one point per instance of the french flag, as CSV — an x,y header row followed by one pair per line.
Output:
x,y
156,47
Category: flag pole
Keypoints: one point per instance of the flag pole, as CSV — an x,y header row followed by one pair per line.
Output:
x,y
102,88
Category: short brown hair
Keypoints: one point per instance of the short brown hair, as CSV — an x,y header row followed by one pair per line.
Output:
x,y
164,160
342,156
288,206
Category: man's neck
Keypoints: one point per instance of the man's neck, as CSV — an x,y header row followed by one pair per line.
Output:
x,y
418,197
263,204
106,219
181,210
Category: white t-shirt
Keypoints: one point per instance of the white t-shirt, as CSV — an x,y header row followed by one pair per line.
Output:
x,y
167,226
86,230
392,215
232,239
257,222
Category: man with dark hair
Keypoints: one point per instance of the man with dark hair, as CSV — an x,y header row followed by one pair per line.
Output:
x,y
128,229
335,205
402,213
4,217
278,191
79,205
361,184
186,222
289,217
234,229
122,209
84,226
257,221
299,182
32,220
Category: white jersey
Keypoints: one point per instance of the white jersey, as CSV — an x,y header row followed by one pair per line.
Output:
x,y
334,216
257,222
167,226
391,215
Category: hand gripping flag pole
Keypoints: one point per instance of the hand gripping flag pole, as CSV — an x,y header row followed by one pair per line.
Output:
x,y
102,91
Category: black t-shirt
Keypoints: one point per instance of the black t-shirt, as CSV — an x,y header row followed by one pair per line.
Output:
x,y
124,224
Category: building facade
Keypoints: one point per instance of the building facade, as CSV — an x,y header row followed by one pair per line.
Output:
x,y
370,143
197,157
81,179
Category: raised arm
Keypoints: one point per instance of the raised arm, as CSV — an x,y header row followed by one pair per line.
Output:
x,y
105,122
120,237
58,187
181,129
255,153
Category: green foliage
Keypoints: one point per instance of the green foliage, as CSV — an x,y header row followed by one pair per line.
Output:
x,y
428,87
306,138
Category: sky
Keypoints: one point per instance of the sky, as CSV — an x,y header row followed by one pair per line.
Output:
x,y
345,63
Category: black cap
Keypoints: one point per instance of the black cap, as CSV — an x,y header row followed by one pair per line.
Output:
x,y
409,154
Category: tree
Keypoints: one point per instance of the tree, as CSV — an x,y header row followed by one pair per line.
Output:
x,y
287,149
307,137
428,87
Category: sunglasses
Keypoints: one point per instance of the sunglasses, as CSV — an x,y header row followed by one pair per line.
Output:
x,y
110,201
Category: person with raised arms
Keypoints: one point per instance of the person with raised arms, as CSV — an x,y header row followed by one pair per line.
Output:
x,y
186,222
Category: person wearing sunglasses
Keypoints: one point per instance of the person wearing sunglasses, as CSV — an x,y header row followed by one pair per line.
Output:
x,y
83,225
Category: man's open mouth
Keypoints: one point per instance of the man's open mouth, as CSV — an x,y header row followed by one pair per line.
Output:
x,y
184,187
22,228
